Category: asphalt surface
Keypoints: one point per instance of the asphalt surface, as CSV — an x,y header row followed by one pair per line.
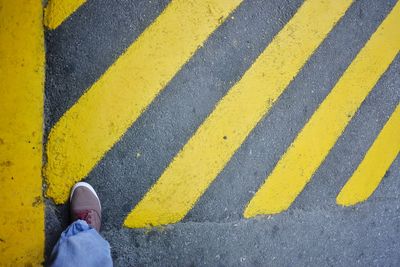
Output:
x,y
314,231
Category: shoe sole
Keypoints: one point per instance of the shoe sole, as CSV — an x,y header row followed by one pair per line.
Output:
x,y
84,184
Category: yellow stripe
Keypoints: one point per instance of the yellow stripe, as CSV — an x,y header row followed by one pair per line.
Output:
x,y
21,111
103,114
57,11
376,162
319,135
214,143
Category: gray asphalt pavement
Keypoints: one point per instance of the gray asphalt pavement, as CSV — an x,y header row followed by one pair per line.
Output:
x,y
314,231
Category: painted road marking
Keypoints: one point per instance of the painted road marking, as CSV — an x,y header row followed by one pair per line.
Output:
x,y
86,132
21,111
376,162
57,11
306,153
217,139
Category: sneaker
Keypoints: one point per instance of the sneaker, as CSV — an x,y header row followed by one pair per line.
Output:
x,y
85,205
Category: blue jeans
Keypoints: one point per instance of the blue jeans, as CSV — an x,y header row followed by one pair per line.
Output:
x,y
81,245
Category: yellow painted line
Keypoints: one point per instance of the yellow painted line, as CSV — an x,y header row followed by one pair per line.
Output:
x,y
57,11
214,143
376,162
103,114
21,112
306,153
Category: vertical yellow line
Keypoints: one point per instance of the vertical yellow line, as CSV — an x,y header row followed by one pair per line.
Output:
x,y
222,133
376,162
21,119
305,154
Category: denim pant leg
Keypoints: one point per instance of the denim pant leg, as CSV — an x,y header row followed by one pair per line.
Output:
x,y
81,245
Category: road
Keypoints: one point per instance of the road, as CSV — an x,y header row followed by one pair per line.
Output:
x,y
227,132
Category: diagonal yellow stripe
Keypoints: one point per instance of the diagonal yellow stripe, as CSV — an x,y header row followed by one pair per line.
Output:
x,y
103,114
57,11
21,132
318,136
214,143
377,161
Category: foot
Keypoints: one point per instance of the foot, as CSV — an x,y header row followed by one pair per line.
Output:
x,y
85,205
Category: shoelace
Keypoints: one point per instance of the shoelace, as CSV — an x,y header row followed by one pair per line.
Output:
x,y
84,215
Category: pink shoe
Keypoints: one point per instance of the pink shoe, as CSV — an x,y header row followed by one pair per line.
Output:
x,y
85,205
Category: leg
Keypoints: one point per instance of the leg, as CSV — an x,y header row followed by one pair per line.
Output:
x,y
81,244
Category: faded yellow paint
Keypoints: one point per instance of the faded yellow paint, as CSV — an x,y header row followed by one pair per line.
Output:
x,y
377,161
306,153
57,11
214,143
103,114
21,113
